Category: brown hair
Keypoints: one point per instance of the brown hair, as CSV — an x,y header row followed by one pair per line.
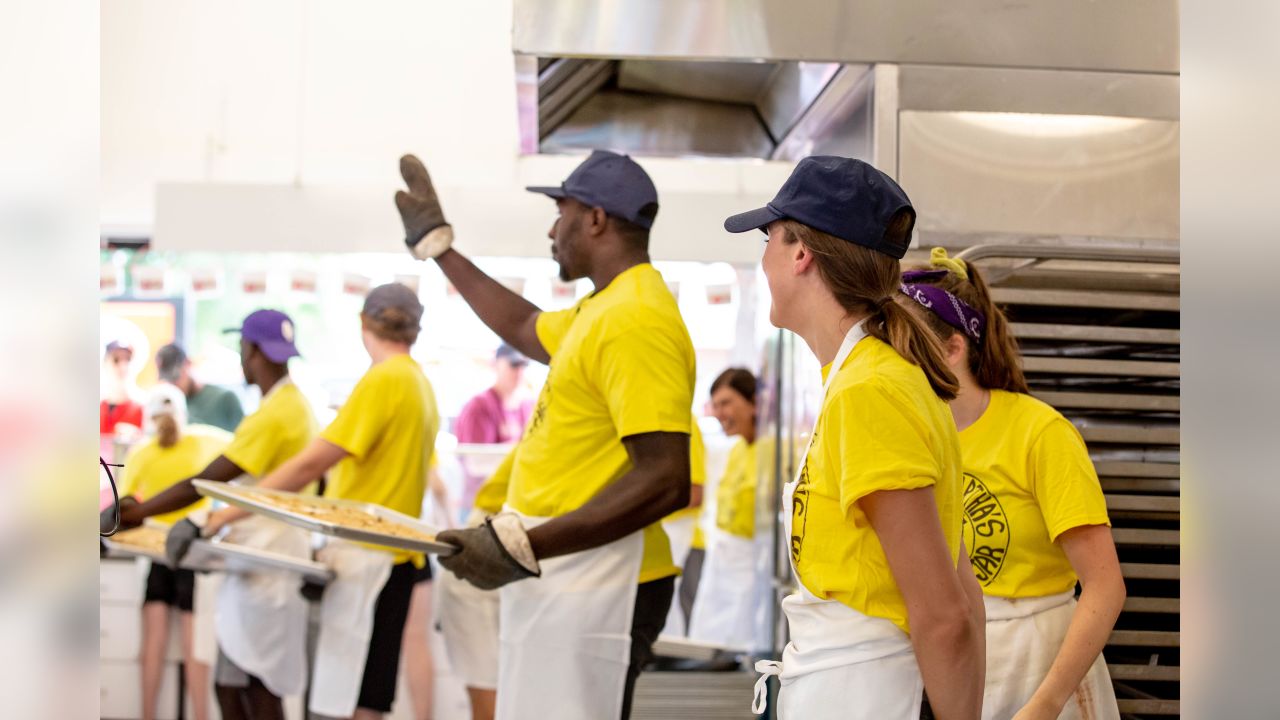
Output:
x,y
740,380
995,362
166,429
866,281
394,325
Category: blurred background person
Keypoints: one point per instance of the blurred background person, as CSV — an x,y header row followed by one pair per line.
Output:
x,y
118,405
206,404
725,607
168,455
688,543
496,416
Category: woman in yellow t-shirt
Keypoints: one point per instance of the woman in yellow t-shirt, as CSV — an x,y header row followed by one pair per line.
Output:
x,y
725,611
887,606
377,450
1035,517
169,455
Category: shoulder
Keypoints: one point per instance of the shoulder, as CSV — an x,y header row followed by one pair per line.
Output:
x,y
1026,411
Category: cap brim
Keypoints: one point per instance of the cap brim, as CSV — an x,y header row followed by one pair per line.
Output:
x,y
550,191
278,351
751,220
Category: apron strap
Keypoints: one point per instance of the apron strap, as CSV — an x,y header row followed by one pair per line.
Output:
x,y
767,669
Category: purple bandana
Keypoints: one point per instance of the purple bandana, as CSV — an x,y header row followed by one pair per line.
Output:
x,y
949,308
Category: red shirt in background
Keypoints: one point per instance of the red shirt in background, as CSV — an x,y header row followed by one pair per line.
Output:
x,y
109,415
484,420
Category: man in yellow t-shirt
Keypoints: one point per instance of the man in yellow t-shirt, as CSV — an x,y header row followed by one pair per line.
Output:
x,y
605,456
280,428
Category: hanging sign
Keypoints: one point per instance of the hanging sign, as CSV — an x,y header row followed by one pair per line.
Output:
x,y
303,281
204,280
149,279
355,284
254,282
109,279
719,294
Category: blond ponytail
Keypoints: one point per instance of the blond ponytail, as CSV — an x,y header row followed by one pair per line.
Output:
x,y
167,434
865,282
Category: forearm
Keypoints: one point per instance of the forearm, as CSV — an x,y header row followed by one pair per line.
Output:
x,y
635,501
949,654
506,313
1091,625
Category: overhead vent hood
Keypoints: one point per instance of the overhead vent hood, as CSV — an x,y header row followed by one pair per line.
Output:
x,y
775,110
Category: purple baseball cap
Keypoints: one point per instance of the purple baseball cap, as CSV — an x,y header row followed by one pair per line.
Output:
x,y
613,182
270,330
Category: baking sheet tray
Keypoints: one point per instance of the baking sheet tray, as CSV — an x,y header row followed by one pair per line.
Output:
x,y
122,549
244,498
218,555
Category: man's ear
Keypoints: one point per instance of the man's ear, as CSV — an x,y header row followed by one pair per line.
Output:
x,y
597,220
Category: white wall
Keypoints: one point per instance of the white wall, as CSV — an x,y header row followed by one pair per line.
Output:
x,y
260,126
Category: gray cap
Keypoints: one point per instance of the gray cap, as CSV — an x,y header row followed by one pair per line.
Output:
x,y
169,362
392,295
511,355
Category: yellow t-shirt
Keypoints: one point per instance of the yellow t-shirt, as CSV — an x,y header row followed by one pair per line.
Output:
x,y
150,469
881,427
697,476
280,428
493,493
1027,479
388,425
622,364
736,494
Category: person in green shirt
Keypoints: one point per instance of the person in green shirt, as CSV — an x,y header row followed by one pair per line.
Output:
x,y
206,404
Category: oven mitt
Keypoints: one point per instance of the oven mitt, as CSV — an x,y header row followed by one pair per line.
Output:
x,y
178,541
492,554
425,231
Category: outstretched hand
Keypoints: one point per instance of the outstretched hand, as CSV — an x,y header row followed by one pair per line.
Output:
x,y
426,232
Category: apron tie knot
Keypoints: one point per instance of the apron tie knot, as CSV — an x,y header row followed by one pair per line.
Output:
x,y
767,669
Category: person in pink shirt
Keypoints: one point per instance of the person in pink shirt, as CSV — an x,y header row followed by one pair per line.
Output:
x,y
496,416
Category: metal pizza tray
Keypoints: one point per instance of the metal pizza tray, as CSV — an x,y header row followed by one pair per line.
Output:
x,y
121,549
244,498
230,557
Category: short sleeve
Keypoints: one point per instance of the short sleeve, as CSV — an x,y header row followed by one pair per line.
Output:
x,y
254,445
879,445
646,380
1064,481
135,466
552,326
363,418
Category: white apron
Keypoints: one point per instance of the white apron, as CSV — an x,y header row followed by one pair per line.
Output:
x,y
680,533
261,622
468,620
1023,638
724,611
566,636
840,664
346,624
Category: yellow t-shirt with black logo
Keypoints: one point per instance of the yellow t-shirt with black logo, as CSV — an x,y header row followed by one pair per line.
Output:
x,y
881,427
150,469
622,364
388,426
280,428
1027,479
736,494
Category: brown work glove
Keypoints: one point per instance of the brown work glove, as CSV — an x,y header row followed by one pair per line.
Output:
x,y
425,231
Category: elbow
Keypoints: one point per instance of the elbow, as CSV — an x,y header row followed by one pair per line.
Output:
x,y
676,492
951,624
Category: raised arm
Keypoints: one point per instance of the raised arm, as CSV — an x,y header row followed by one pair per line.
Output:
x,y
429,236
943,629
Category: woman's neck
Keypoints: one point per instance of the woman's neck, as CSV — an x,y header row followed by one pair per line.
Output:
x,y
824,337
970,403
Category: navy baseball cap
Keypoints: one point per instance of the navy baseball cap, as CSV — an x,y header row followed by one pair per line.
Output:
x,y
272,332
613,182
511,355
839,196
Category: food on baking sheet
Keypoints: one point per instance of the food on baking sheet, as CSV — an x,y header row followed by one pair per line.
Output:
x,y
347,517
150,539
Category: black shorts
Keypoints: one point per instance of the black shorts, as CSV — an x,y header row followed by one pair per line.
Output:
x,y
381,667
175,588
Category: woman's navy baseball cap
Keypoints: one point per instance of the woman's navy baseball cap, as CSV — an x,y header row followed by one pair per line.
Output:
x,y
613,182
839,196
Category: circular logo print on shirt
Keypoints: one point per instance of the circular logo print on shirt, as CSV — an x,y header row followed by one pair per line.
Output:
x,y
986,530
